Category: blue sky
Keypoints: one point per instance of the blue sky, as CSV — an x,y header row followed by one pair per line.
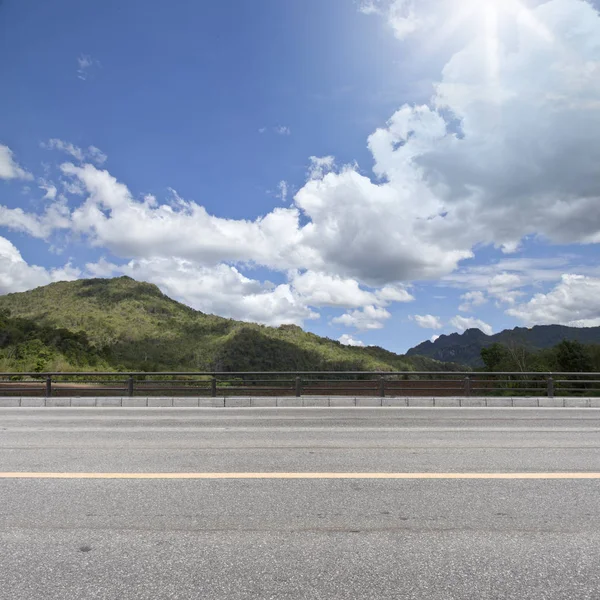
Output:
x,y
377,171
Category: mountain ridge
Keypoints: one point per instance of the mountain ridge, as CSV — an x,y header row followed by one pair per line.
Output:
x,y
466,348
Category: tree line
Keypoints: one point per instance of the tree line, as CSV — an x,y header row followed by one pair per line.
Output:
x,y
567,356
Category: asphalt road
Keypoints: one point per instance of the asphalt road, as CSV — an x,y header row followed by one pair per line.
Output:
x,y
450,538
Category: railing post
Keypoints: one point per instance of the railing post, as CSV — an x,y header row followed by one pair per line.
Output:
x,y
550,387
298,386
213,387
48,386
467,386
130,386
382,387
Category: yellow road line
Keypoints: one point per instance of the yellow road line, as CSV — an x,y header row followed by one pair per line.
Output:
x,y
268,475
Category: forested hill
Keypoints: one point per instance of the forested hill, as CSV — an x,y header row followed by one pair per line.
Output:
x,y
466,348
123,324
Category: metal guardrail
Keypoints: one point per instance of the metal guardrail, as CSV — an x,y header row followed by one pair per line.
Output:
x,y
301,383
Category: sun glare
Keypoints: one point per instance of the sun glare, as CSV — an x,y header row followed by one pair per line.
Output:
x,y
490,10
483,18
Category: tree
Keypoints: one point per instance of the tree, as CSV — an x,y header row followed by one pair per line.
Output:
x,y
494,356
573,357
519,356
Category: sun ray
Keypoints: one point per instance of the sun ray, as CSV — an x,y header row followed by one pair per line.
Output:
x,y
492,42
525,16
486,13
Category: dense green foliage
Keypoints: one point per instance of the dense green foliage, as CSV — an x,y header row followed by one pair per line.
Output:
x,y
121,324
466,348
567,356
28,346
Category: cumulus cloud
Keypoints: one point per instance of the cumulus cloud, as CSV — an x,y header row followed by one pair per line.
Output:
x,y
367,230
322,289
369,317
283,130
463,323
428,321
129,228
348,340
319,166
523,159
506,279
16,275
471,300
481,164
221,289
9,168
393,293
574,302
55,217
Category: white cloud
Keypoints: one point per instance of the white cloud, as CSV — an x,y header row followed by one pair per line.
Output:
x,y
393,293
221,290
505,280
322,289
49,188
471,300
428,321
401,15
574,302
282,186
73,187
524,161
369,7
262,129
434,337
55,144
439,193
320,166
9,168
96,155
369,317
463,323
17,276
103,268
348,340
92,153
84,63
113,219
56,216
369,231
283,130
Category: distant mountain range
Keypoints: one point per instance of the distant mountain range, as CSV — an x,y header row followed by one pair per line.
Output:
x,y
466,348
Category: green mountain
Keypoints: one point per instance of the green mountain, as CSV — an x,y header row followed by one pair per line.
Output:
x,y
466,348
122,324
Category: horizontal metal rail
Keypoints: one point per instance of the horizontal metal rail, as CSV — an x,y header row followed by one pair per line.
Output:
x,y
301,383
44,374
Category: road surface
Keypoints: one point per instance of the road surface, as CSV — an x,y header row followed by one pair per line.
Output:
x,y
142,504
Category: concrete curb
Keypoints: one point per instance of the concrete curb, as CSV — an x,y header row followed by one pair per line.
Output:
x,y
306,401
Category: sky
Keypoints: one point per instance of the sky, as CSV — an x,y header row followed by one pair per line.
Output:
x,y
379,172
